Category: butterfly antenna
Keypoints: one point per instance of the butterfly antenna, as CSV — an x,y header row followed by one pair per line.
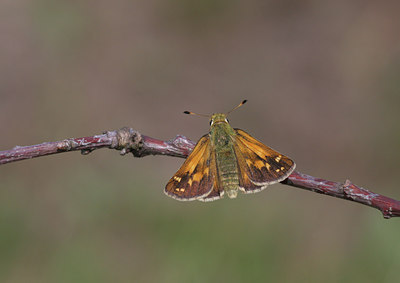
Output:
x,y
241,103
192,113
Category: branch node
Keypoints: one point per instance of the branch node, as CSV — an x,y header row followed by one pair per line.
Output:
x,y
387,213
126,140
65,145
179,140
358,193
182,142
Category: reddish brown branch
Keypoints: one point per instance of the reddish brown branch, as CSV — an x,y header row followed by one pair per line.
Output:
x,y
128,140
347,190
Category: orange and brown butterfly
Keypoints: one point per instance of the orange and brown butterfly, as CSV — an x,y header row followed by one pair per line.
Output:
x,y
227,160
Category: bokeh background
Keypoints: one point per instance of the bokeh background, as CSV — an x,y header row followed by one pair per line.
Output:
x,y
322,79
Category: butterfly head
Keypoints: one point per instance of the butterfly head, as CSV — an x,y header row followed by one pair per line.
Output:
x,y
218,118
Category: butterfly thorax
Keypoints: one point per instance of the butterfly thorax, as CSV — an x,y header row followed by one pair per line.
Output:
x,y
222,143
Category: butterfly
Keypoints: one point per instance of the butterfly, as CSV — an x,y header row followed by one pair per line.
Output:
x,y
227,160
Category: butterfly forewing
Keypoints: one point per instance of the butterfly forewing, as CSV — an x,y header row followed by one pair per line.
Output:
x,y
259,165
195,179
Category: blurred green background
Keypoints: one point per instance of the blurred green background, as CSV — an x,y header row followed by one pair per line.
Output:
x,y
322,80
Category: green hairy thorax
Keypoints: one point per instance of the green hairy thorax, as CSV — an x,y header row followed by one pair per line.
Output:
x,y
221,134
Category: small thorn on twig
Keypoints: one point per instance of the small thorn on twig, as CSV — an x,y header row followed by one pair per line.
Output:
x,y
86,151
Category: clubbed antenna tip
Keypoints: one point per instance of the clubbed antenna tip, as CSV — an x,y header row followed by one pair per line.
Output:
x,y
241,103
192,113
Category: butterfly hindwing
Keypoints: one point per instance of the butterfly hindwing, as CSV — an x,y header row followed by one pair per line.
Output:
x,y
217,192
258,164
194,180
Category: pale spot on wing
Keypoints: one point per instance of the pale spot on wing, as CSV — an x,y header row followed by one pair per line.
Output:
x,y
197,177
176,178
278,158
259,164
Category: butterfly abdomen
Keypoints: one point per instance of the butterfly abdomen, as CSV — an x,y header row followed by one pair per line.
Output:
x,y
228,172
227,168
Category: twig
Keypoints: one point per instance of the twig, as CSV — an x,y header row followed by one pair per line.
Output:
x,y
347,190
128,140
